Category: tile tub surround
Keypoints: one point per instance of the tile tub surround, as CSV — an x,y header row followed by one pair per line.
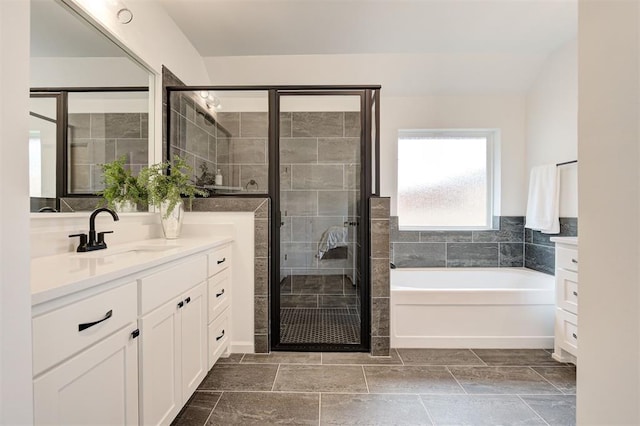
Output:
x,y
355,388
540,251
262,217
455,249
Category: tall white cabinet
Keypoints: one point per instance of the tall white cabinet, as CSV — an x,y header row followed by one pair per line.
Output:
x,y
133,349
566,324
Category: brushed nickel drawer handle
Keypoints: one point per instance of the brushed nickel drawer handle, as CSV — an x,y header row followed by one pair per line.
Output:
x,y
86,325
220,336
220,294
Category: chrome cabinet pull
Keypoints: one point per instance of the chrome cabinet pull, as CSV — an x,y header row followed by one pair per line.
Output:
x,y
220,294
220,336
86,325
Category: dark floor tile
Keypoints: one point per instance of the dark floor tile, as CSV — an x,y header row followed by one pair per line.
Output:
x,y
479,410
367,409
502,380
197,410
266,408
564,378
556,410
320,378
231,359
240,377
439,357
283,358
522,357
413,379
360,358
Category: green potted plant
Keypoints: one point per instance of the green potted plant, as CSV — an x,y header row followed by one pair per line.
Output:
x,y
166,183
121,189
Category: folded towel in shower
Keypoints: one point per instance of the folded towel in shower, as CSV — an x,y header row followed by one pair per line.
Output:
x,y
335,236
543,204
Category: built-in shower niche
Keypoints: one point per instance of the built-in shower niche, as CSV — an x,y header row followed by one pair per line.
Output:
x,y
231,142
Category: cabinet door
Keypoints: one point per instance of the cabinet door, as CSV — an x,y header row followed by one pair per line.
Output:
x,y
97,386
194,339
160,360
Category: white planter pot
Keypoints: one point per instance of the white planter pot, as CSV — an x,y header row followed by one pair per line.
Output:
x,y
125,207
171,221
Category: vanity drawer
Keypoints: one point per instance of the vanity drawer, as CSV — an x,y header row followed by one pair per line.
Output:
x,y
58,335
567,259
568,327
219,259
567,290
218,337
158,287
219,293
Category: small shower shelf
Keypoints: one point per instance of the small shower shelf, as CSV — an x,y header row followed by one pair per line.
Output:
x,y
217,188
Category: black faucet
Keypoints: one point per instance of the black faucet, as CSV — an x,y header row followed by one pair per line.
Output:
x,y
94,243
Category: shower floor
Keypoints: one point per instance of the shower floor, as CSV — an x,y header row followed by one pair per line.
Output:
x,y
319,325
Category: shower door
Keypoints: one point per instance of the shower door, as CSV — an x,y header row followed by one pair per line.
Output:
x,y
320,156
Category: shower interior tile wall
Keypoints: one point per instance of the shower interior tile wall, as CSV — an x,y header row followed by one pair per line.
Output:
x,y
511,245
95,139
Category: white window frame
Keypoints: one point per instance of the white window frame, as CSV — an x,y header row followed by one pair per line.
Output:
x,y
492,170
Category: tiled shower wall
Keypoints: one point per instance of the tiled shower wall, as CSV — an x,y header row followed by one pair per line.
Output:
x,y
95,139
319,172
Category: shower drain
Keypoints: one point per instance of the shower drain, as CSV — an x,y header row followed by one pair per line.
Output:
x,y
303,325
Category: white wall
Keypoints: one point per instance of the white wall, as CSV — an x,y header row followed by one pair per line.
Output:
x,y
15,298
397,73
87,72
506,113
609,192
552,122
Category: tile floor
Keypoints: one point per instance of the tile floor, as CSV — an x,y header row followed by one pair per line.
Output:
x,y
412,387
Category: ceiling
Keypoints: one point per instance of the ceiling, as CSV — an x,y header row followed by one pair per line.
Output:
x,y
312,27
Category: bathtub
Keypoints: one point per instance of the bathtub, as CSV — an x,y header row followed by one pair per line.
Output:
x,y
472,308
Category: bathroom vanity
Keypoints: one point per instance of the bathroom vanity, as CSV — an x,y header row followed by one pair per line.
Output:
x,y
566,324
126,335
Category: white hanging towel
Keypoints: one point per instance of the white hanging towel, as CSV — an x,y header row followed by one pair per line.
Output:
x,y
335,236
543,204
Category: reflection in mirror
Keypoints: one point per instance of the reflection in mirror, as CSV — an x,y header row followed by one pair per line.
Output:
x,y
73,59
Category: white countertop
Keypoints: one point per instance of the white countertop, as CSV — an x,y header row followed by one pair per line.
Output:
x,y
63,274
565,240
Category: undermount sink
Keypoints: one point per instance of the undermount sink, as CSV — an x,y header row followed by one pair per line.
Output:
x,y
131,250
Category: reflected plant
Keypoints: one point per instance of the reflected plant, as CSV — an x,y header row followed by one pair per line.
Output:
x,y
120,185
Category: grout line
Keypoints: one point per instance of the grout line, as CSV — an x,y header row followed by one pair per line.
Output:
x,y
456,379
546,380
275,378
531,408
477,356
401,360
365,379
426,410
319,408
214,407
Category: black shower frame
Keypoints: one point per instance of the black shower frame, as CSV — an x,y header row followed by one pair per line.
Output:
x,y
369,96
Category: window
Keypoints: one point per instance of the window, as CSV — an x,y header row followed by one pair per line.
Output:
x,y
445,179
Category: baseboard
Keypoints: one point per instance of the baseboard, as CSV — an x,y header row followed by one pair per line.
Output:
x,y
241,347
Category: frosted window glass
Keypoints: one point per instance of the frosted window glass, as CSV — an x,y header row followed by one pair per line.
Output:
x,y
442,182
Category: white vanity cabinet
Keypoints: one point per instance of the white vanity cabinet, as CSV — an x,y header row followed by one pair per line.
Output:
x,y
91,347
173,347
566,323
128,343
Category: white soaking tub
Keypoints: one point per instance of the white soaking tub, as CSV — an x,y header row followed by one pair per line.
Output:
x,y
471,308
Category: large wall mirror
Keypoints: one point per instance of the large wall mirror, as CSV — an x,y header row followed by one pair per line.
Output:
x,y
89,106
